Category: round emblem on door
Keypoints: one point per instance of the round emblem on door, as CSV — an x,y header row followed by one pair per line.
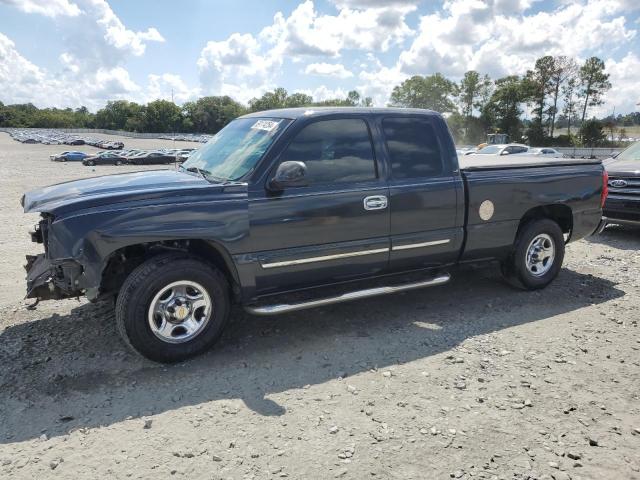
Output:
x,y
486,210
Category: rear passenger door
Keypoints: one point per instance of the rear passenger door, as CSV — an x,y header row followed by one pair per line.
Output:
x,y
336,228
426,195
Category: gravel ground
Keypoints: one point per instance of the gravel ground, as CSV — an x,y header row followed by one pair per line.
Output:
x,y
469,380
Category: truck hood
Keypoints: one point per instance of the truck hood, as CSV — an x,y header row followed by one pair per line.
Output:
x,y
630,168
110,189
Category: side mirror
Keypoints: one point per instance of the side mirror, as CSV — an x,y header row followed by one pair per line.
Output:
x,y
504,152
289,174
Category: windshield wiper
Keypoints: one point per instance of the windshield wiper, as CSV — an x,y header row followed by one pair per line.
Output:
x,y
203,173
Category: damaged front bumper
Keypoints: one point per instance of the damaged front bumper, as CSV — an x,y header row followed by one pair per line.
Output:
x,y
52,280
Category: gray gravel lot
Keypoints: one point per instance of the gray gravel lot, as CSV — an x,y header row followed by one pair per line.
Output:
x,y
469,380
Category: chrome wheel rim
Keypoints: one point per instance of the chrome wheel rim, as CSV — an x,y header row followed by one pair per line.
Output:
x,y
540,255
180,311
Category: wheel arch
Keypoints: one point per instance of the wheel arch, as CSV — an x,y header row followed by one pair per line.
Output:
x,y
559,213
121,262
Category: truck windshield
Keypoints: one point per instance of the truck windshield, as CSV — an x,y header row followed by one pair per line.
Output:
x,y
236,149
631,153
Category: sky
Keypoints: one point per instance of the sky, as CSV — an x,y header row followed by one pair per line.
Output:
x,y
68,53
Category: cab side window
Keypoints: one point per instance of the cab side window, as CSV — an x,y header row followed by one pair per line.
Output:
x,y
334,151
413,148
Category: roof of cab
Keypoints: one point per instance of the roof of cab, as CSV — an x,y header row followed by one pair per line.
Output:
x,y
294,113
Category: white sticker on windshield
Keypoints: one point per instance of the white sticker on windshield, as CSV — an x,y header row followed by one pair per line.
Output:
x,y
266,125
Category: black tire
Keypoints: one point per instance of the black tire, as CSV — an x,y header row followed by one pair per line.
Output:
x,y
118,163
91,163
63,159
514,268
140,288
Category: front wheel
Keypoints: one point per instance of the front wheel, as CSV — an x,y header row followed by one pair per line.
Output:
x,y
172,307
537,255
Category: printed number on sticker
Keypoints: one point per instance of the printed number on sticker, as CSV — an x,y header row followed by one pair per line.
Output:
x,y
266,125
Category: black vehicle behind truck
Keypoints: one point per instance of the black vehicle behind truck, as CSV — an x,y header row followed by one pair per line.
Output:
x,y
291,209
623,202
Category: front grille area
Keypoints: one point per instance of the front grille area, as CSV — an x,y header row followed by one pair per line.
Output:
x,y
625,186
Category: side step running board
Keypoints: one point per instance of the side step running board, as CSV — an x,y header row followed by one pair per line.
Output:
x,y
345,297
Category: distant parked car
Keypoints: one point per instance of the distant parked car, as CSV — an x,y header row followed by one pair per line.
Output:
x,y
151,158
69,157
184,154
106,158
502,149
543,152
110,145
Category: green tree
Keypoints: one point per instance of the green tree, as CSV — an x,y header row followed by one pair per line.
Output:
x,y
210,114
592,133
503,110
569,110
298,100
564,70
594,82
114,114
473,92
353,99
162,116
623,134
536,85
269,101
135,118
434,92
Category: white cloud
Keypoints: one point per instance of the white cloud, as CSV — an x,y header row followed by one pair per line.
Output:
x,y
471,34
625,92
21,81
498,37
97,45
336,70
307,32
322,93
48,8
162,86
379,83
375,3
367,44
236,67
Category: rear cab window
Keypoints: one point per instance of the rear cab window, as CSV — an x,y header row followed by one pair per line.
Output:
x,y
413,148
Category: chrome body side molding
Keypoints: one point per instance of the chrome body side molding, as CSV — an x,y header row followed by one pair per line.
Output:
x,y
324,258
420,245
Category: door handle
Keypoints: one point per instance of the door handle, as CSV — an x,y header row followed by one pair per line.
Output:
x,y
375,202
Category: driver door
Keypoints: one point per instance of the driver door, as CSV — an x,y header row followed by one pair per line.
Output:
x,y
336,228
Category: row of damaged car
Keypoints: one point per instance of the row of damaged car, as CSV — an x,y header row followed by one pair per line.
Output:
x,y
56,137
125,157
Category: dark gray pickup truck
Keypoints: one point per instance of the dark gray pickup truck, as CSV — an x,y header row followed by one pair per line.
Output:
x,y
291,209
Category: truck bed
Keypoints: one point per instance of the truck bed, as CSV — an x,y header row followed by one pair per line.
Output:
x,y
502,190
491,162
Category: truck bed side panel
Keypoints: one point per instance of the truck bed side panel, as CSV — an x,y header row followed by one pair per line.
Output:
x,y
512,192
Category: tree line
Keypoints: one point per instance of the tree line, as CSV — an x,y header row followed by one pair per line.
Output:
x,y
558,92
205,115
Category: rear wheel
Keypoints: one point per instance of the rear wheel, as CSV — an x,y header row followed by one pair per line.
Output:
x,y
118,162
537,255
172,307
90,163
